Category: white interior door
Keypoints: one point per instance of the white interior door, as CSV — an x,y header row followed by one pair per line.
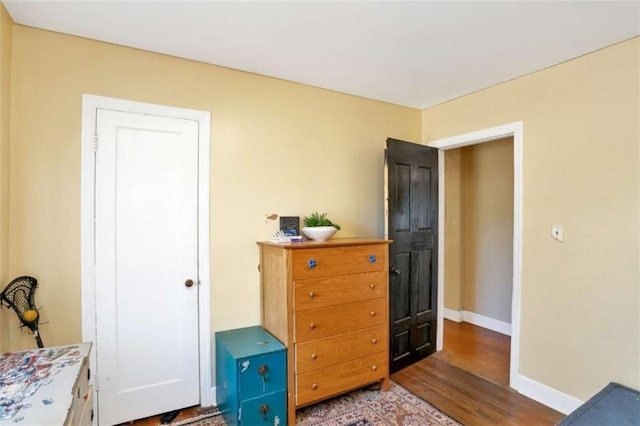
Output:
x,y
146,248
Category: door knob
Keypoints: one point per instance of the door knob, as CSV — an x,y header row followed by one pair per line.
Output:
x,y
188,283
394,270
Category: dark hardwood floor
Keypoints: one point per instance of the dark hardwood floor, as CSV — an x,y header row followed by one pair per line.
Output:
x,y
469,380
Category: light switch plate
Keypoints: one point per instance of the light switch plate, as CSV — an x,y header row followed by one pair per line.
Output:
x,y
557,232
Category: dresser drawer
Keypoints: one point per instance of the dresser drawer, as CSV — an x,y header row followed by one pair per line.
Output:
x,y
318,323
323,292
325,262
87,409
261,374
338,378
335,350
268,409
81,396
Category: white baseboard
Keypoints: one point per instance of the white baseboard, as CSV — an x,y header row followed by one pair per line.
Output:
x,y
479,320
548,396
453,315
486,322
211,401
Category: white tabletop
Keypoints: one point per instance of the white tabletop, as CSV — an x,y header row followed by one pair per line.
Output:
x,y
36,385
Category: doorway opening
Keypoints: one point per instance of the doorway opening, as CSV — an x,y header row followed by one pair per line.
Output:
x,y
479,258
509,305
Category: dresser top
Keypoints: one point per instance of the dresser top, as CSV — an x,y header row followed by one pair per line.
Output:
x,y
249,341
333,242
37,385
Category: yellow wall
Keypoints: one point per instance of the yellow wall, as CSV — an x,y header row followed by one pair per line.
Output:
x,y
454,231
6,28
277,147
580,326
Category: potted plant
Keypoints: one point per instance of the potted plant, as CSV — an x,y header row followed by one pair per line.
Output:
x,y
319,227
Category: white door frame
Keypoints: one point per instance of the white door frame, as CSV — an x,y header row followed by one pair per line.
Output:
x,y
514,130
90,105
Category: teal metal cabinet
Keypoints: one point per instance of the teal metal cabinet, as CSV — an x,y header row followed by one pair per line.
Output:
x,y
251,377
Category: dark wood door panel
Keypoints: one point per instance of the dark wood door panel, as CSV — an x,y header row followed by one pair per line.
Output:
x,y
423,338
421,213
401,345
423,296
400,181
400,286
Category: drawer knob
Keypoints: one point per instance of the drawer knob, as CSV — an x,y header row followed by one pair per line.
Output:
x,y
263,410
372,313
312,263
314,357
312,325
262,370
374,341
312,294
372,258
374,367
372,286
314,386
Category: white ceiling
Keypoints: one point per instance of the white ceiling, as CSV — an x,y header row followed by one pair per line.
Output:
x,y
418,53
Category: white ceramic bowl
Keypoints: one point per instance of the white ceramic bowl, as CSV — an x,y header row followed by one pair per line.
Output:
x,y
319,233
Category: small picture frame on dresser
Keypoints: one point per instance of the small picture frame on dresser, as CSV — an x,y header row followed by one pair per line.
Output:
x,y
290,225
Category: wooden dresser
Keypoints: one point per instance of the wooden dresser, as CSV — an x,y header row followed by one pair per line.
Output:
x,y
327,302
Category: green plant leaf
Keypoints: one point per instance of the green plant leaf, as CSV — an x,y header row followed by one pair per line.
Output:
x,y
318,219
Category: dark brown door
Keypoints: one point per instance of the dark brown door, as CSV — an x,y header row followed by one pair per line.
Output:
x,y
413,256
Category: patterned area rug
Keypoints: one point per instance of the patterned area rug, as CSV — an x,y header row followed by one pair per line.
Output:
x,y
398,407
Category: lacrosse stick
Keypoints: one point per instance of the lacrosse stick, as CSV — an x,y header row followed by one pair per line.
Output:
x,y
19,296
